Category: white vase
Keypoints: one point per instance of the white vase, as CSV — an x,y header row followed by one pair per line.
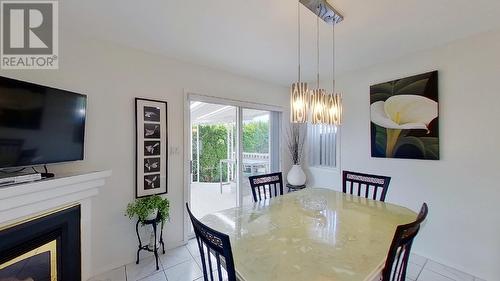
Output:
x,y
296,176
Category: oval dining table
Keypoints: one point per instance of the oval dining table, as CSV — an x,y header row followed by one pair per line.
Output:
x,y
281,239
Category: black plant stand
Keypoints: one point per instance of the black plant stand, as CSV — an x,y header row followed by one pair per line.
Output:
x,y
154,223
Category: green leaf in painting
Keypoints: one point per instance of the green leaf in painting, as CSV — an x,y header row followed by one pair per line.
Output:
x,y
375,97
415,88
382,88
403,83
431,147
380,138
414,141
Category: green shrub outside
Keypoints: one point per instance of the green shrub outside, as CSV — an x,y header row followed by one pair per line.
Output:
x,y
213,147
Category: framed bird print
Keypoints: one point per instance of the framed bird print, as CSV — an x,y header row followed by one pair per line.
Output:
x,y
151,147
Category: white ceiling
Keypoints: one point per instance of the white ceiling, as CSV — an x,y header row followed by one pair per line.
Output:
x,y
258,38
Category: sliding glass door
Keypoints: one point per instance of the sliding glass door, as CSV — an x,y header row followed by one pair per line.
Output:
x,y
260,147
213,157
229,142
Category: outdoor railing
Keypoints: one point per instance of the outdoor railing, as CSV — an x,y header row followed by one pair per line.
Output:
x,y
255,156
251,164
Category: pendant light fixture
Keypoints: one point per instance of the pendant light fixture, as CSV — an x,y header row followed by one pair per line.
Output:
x,y
333,101
318,94
316,106
299,96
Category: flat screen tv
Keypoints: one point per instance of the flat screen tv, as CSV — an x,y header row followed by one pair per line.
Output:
x,y
39,124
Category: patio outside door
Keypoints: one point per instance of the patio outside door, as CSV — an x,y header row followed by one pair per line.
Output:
x,y
220,135
259,147
214,136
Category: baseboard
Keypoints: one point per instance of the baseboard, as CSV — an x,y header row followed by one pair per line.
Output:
x,y
168,246
173,245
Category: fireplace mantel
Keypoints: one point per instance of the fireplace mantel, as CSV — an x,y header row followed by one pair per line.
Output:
x,y
22,201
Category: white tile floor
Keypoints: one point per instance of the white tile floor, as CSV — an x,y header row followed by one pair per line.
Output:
x,y
183,264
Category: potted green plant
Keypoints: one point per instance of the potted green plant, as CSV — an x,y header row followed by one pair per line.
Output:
x,y
148,208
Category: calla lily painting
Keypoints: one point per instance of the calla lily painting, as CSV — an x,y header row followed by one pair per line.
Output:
x,y
404,118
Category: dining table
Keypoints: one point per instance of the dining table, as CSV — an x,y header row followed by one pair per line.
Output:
x,y
314,234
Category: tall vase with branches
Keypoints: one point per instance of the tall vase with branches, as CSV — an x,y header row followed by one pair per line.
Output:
x,y
295,143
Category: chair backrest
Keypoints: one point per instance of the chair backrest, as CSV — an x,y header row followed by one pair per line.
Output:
x,y
399,252
215,250
266,186
366,185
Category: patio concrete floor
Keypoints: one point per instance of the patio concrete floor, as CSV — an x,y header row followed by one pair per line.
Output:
x,y
206,198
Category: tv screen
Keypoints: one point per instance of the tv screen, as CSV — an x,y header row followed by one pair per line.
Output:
x,y
39,124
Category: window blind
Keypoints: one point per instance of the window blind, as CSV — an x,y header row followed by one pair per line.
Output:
x,y
322,141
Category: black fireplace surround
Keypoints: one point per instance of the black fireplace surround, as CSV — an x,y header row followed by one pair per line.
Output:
x,y
62,226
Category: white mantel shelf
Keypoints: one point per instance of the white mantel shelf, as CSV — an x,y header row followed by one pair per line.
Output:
x,y
21,201
47,194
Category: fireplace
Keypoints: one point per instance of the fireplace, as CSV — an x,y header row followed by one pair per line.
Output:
x,y
42,248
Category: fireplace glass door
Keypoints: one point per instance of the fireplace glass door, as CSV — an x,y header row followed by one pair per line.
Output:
x,y
43,248
37,264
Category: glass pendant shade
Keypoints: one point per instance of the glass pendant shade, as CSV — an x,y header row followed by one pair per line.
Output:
x,y
318,106
333,101
299,99
333,109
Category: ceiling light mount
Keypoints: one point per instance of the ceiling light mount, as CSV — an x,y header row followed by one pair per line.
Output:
x,y
324,10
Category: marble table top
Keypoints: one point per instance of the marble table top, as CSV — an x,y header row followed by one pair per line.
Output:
x,y
281,240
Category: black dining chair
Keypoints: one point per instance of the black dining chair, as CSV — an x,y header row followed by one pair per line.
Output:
x,y
366,185
266,186
215,250
399,252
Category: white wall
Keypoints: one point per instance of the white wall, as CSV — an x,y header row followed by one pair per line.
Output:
x,y
112,76
462,189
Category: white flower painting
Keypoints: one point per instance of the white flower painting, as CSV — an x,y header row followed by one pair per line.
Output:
x,y
404,118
